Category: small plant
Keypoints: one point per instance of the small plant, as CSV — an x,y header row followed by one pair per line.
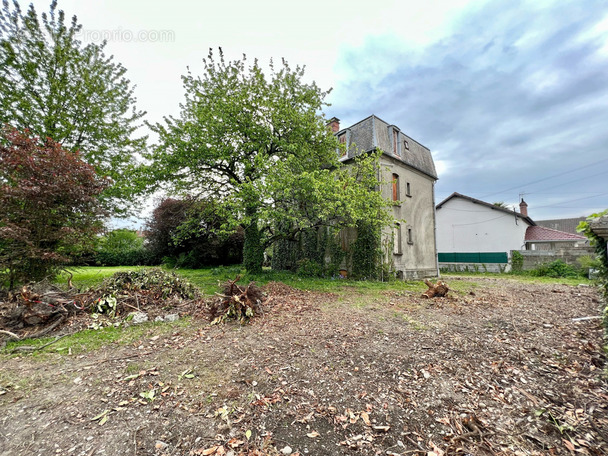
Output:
x,y
517,261
107,305
308,268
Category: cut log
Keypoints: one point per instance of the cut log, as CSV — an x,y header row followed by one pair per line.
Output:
x,y
439,289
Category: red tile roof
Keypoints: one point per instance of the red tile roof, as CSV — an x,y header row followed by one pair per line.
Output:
x,y
540,233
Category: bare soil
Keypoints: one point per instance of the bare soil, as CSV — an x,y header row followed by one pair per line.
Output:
x,y
500,368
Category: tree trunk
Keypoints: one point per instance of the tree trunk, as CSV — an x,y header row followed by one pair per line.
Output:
x,y
438,289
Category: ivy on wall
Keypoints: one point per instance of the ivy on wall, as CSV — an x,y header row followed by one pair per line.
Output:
x,y
367,254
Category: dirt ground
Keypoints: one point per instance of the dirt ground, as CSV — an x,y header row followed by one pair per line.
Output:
x,y
499,368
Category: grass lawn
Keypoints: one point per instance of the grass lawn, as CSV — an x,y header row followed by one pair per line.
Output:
x,y
209,279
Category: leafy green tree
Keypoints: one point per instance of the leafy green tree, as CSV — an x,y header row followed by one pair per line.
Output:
x,y
122,247
260,146
56,87
187,233
49,210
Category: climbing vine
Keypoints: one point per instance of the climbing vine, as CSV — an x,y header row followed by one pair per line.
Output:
x,y
367,253
601,252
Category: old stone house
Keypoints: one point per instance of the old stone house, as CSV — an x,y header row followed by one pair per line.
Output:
x,y
408,168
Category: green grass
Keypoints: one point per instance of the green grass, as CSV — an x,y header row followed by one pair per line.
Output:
x,y
209,280
88,276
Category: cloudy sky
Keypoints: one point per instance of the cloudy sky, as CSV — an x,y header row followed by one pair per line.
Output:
x,y
510,96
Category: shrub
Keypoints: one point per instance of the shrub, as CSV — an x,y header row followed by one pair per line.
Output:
x,y
49,207
309,268
557,268
517,261
122,247
188,233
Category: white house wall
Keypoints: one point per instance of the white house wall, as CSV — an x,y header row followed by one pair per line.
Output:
x,y
464,226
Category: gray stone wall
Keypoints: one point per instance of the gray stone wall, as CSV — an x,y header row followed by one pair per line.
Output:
x,y
534,258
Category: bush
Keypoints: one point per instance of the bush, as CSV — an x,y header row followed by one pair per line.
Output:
x,y
188,234
49,207
122,247
517,261
309,268
587,262
557,268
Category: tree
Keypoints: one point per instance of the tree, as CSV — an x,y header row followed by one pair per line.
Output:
x,y
122,247
261,147
49,211
56,87
187,232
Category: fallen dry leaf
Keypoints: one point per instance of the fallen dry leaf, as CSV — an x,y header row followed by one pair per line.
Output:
x,y
365,418
211,450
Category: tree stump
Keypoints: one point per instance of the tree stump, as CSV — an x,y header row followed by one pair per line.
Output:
x,y
438,289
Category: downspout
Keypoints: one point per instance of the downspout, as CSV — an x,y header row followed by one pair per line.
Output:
x,y
435,231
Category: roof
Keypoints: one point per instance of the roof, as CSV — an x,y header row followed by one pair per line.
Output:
x,y
542,234
600,226
372,133
566,224
488,205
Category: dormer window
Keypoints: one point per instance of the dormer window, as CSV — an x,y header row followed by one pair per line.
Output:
x,y
342,141
395,142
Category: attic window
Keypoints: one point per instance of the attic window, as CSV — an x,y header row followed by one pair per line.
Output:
x,y
395,142
342,141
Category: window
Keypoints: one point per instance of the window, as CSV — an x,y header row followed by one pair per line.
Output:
x,y
407,189
397,239
407,145
342,141
395,187
410,239
395,142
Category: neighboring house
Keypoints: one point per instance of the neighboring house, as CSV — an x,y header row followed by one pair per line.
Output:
x,y
541,238
567,225
408,166
473,233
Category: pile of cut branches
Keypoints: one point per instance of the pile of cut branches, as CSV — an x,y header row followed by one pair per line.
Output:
x,y
41,308
36,310
138,290
236,303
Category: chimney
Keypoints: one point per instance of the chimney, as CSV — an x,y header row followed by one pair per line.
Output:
x,y
334,124
523,208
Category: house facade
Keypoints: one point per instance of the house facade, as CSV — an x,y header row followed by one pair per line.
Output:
x,y
409,171
474,234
